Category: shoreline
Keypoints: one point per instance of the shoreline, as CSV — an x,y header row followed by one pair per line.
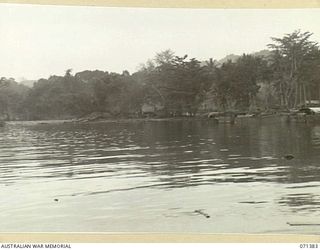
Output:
x,y
219,119
143,119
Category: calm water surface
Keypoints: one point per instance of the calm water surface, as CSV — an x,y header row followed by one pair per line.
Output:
x,y
151,176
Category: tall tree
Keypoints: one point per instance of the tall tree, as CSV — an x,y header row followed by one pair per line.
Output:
x,y
291,54
175,83
235,84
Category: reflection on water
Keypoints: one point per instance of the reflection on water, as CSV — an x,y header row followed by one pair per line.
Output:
x,y
154,175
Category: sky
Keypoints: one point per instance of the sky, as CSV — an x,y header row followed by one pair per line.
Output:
x,y
37,41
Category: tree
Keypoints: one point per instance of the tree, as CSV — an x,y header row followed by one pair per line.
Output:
x,y
311,76
58,97
164,57
175,83
291,54
12,96
68,73
235,84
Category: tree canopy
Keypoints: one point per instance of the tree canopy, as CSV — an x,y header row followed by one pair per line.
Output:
x,y
285,76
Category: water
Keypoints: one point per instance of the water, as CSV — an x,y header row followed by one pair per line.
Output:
x,y
160,176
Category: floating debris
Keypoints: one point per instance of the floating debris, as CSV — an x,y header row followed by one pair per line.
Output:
x,y
56,200
288,157
303,224
200,211
252,202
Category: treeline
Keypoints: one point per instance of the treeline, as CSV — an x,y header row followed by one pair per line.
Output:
x,y
285,76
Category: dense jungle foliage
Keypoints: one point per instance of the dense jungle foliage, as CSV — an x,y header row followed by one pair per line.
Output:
x,y
284,76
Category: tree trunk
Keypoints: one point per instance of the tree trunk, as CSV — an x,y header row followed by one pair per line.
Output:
x,y
281,95
300,93
309,95
296,95
304,94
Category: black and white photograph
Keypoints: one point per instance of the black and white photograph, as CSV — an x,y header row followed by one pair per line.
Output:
x,y
159,120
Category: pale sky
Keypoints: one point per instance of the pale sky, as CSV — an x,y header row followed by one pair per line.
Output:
x,y
39,41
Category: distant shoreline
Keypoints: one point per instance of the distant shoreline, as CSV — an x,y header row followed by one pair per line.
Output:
x,y
142,119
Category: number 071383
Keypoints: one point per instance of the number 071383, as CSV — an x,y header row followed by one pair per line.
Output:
x,y
311,246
